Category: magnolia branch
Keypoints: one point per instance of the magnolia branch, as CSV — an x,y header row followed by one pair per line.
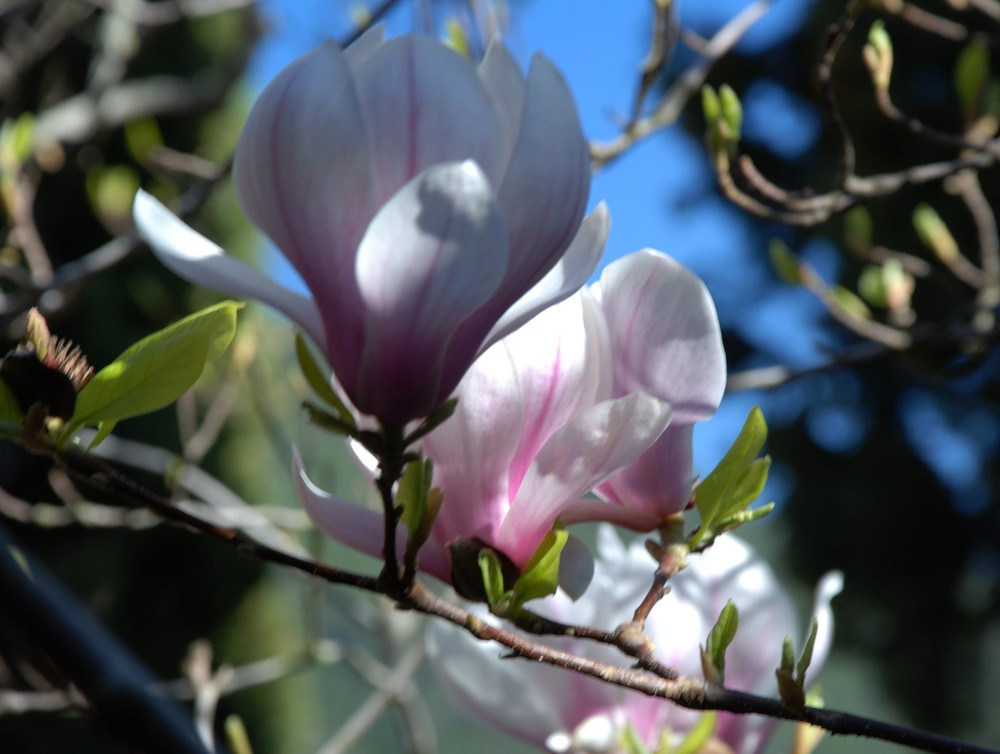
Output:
x,y
688,692
668,109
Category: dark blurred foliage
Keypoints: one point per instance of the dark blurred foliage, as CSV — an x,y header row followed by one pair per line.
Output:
x,y
148,587
916,532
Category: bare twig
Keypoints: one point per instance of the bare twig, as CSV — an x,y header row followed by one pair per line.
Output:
x,y
668,109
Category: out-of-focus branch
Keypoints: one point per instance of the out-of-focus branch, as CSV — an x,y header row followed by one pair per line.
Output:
x,y
116,686
668,109
397,684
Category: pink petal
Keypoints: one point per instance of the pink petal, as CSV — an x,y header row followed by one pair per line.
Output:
x,y
579,456
473,450
424,105
430,258
661,480
562,359
665,333
196,259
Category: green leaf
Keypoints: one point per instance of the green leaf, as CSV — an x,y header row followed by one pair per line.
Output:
x,y
111,189
17,141
742,517
720,637
972,73
747,487
736,480
142,138
540,577
697,738
318,379
849,302
784,262
732,112
236,735
858,229
630,741
878,38
10,410
710,104
440,415
934,233
420,503
787,655
489,567
872,287
806,657
157,370
712,108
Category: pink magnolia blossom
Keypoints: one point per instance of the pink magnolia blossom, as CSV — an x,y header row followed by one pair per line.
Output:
x,y
430,206
666,341
556,409
534,431
562,711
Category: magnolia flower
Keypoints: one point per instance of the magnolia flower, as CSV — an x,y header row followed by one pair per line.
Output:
x,y
575,398
430,206
666,341
561,711
534,431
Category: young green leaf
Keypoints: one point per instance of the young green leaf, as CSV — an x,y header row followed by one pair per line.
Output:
x,y
440,415
156,371
784,262
699,736
319,380
736,480
489,566
972,72
732,112
720,637
420,503
540,577
631,743
806,657
850,303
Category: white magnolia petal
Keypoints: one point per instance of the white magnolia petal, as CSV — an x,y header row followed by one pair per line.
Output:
x,y
545,189
504,83
520,699
828,587
594,445
563,280
196,259
665,332
424,105
306,121
431,257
